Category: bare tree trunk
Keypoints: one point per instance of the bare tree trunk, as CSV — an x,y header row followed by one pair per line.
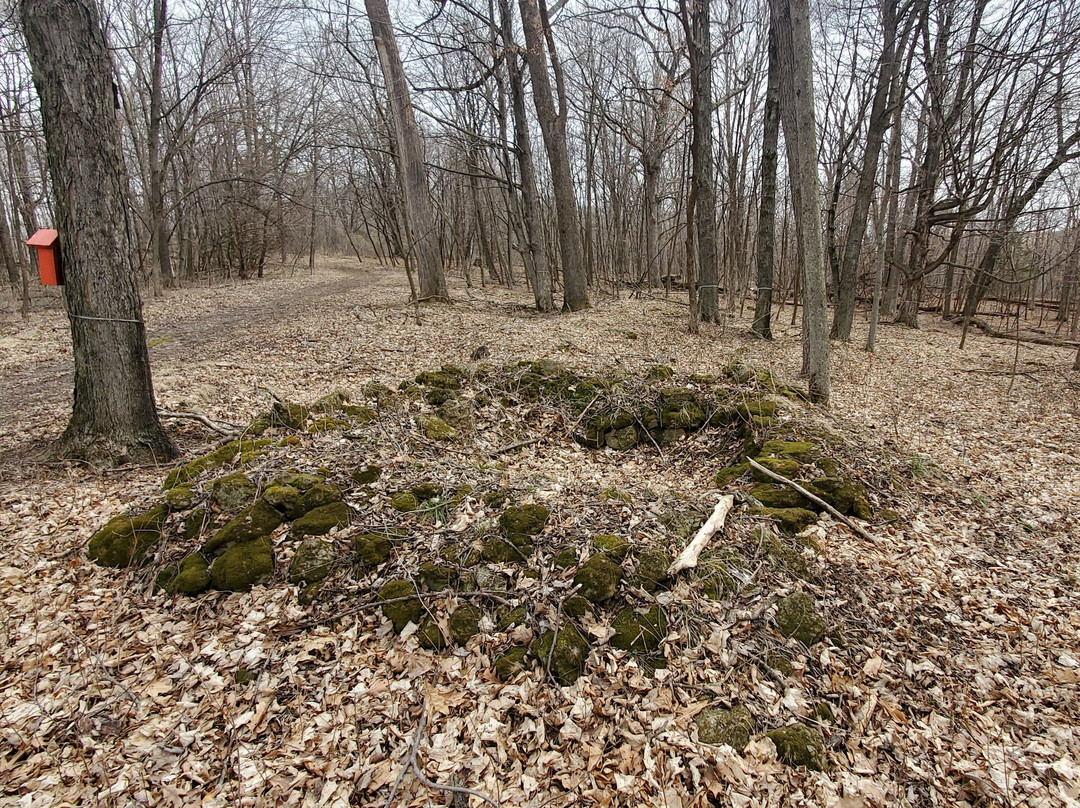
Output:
x,y
880,115
766,231
159,229
114,416
791,19
420,220
553,128
695,14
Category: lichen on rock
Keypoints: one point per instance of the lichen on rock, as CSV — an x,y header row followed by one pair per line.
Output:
x,y
312,561
233,491
727,726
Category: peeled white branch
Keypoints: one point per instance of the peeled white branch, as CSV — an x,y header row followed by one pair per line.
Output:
x,y
688,558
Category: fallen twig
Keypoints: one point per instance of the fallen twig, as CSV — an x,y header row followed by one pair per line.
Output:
x,y
222,429
521,444
688,558
812,497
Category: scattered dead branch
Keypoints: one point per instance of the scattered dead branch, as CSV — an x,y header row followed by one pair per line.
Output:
x,y
688,558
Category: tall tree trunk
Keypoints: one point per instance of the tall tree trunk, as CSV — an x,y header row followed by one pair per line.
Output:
x,y
419,218
530,197
766,230
553,129
695,15
159,229
844,312
791,19
114,416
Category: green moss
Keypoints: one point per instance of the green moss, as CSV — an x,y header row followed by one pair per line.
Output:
x,y
320,521
464,623
319,495
312,561
823,713
598,578
382,395
430,636
756,408
331,402
301,482
717,582
288,415
779,663
366,474
215,459
615,547
615,495
844,495
448,378
125,540
323,425
800,745
458,413
803,451
622,440
193,576
828,465
494,499
651,570
780,553
740,372
568,658
427,490
260,424
404,501
503,550
309,593
243,566
360,415
283,498
511,618
659,373
666,437
730,474
402,612
524,520
181,497
889,515
639,633
784,466
778,496
435,428
196,522
436,577
680,409
797,616
253,522
371,549
722,726
233,491
790,520
511,662
567,557
577,606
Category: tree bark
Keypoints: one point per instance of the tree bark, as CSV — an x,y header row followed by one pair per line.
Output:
x,y
766,230
419,218
553,130
791,19
159,228
844,311
114,418
695,15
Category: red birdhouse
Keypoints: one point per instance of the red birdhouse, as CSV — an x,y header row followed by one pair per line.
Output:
x,y
50,264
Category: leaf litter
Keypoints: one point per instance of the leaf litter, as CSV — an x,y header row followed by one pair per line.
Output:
x,y
953,681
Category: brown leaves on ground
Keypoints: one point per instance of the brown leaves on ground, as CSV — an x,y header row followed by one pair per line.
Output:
x,y
955,683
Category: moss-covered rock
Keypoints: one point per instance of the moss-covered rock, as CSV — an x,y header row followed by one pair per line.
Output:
x,y
371,549
651,570
571,650
464,623
622,440
331,402
288,415
437,396
233,491
215,459
283,498
717,582
125,540
523,520
780,553
784,466
378,392
404,501
259,424
309,593
449,378
320,521
458,413
790,520
755,408
511,618
565,558
614,547
727,726
400,612
430,636
659,373
196,523
322,426
797,616
577,606
436,577
803,451
680,409
666,437
253,522
181,497
511,662
366,474
598,578
504,550
639,633
426,490
192,576
800,745
243,566
435,428
844,495
730,474
312,561
740,372
778,496
359,415
318,496
299,480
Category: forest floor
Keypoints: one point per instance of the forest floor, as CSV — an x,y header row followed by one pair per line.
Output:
x,y
960,685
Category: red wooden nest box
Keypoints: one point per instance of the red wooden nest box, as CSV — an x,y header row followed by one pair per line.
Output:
x,y
50,264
